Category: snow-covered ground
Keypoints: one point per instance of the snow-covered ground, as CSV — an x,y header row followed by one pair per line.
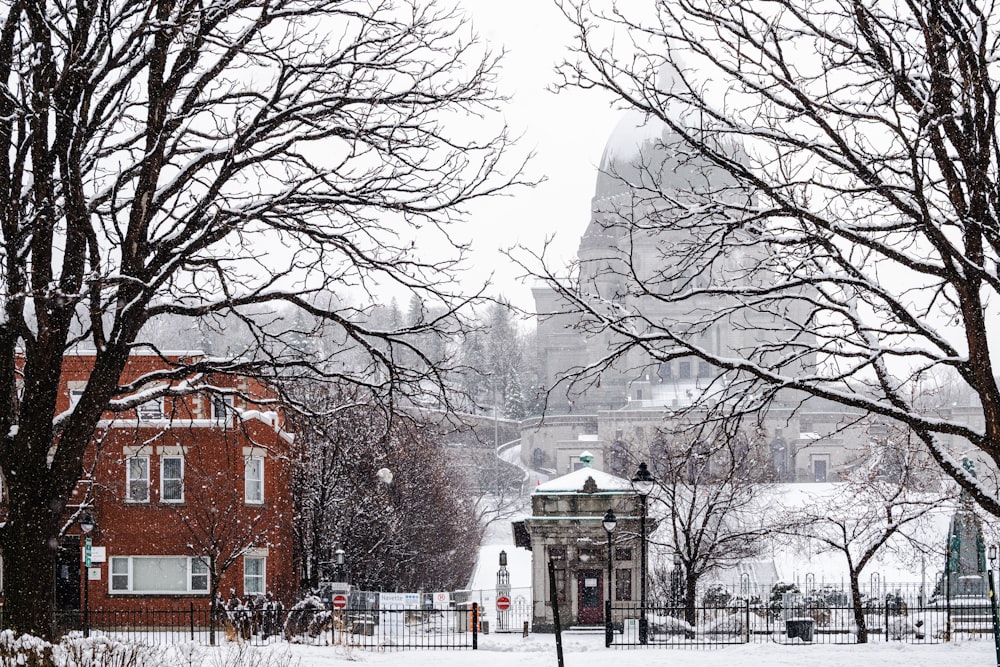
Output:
x,y
539,650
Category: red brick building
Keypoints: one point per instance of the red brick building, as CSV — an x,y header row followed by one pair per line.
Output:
x,y
186,484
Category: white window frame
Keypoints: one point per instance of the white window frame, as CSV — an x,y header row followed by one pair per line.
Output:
x,y
227,412
191,576
253,484
151,410
129,497
164,479
262,577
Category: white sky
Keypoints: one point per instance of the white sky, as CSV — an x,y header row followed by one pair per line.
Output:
x,y
567,132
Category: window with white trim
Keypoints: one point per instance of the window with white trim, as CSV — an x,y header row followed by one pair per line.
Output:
x,y
150,410
137,479
172,479
253,479
254,575
222,408
158,574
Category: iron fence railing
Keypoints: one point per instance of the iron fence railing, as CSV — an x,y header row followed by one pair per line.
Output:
x,y
367,627
800,622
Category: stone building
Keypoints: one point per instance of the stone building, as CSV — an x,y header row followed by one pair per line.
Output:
x,y
622,264
566,527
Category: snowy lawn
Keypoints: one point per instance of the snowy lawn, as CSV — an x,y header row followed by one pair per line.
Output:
x,y
588,651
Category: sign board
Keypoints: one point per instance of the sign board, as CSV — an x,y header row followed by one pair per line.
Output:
x,y
88,545
442,600
503,603
97,555
94,573
339,601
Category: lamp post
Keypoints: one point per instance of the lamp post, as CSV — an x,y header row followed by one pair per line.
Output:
x,y
338,559
642,483
993,602
86,522
609,522
503,590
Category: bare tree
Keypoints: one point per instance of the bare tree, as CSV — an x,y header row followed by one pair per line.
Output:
x,y
878,509
384,488
710,491
208,159
221,528
821,181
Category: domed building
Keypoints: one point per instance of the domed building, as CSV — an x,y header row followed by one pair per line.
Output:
x,y
633,258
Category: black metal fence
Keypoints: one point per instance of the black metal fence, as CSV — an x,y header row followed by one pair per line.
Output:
x,y
813,621
365,628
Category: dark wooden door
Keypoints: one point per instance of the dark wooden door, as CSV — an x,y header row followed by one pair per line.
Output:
x,y
67,575
590,597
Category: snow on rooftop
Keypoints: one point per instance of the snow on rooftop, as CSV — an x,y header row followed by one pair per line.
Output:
x,y
574,481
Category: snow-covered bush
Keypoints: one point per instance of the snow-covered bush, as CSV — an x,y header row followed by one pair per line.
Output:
x,y
725,624
24,651
308,617
669,625
75,650
242,654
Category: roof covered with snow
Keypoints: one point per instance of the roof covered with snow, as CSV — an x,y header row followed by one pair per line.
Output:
x,y
574,482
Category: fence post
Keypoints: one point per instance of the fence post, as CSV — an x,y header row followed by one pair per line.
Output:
x,y
886,620
192,621
746,633
608,630
475,626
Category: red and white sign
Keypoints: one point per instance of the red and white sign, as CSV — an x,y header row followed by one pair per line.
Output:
x,y
339,601
503,603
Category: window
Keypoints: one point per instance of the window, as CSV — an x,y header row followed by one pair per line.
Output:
x,y
623,583
623,553
222,408
138,479
199,574
172,479
704,370
158,574
254,571
151,409
74,397
684,370
254,479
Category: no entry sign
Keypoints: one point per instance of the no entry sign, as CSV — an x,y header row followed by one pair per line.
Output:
x,y
503,603
339,601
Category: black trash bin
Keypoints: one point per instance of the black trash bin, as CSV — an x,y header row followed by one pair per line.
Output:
x,y
801,628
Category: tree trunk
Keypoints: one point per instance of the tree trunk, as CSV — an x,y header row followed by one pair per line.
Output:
x,y
859,609
690,599
29,548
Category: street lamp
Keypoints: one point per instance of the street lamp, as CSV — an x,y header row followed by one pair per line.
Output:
x,y
993,602
503,591
338,558
643,484
87,524
609,522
